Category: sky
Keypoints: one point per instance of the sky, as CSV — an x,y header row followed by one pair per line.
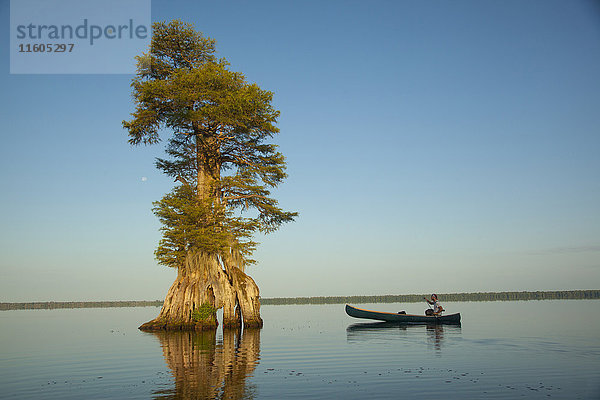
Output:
x,y
440,146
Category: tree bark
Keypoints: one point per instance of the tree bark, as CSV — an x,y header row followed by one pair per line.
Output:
x,y
199,281
248,298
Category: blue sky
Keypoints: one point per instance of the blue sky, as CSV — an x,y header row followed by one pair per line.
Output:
x,y
442,146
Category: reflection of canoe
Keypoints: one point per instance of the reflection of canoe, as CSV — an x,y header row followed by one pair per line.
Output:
x,y
386,327
402,318
391,332
374,326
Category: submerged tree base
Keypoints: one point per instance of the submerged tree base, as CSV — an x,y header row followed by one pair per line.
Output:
x,y
162,325
204,284
157,325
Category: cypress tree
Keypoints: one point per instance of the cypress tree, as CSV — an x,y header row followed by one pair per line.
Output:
x,y
218,128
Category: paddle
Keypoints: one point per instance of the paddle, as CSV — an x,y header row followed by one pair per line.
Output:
x,y
425,298
427,301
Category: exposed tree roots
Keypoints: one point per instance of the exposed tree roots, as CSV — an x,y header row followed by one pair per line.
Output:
x,y
208,279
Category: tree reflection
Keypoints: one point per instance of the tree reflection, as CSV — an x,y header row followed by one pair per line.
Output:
x,y
435,335
207,368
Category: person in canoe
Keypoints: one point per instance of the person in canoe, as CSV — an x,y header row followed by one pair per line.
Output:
x,y
437,307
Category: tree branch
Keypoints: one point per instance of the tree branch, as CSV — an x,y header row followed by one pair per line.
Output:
x,y
182,180
248,196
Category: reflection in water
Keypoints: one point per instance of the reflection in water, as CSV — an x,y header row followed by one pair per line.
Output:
x,y
386,331
207,368
435,335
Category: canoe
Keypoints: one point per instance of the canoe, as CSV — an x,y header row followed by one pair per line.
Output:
x,y
402,318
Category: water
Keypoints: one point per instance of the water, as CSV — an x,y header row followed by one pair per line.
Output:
x,y
502,350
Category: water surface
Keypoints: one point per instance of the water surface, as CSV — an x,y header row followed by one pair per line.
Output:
x,y
502,350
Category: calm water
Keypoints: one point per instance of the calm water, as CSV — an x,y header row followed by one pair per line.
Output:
x,y
503,350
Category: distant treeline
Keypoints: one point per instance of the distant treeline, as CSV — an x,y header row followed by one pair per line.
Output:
x,y
51,305
444,297
390,298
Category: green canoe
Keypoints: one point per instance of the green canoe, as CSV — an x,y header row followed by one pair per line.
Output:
x,y
402,318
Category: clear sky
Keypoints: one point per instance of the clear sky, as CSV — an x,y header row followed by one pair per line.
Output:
x,y
439,146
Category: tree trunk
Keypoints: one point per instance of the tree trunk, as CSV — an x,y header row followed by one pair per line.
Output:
x,y
247,293
207,278
202,280
247,297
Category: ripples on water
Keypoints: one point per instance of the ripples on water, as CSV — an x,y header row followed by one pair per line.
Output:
x,y
548,349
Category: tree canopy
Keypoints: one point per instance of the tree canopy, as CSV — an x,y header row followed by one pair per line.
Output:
x,y
217,128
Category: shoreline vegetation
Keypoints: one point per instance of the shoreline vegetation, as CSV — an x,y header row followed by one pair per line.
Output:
x,y
402,298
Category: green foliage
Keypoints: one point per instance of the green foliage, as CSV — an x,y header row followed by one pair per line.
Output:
x,y
218,150
190,223
205,312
